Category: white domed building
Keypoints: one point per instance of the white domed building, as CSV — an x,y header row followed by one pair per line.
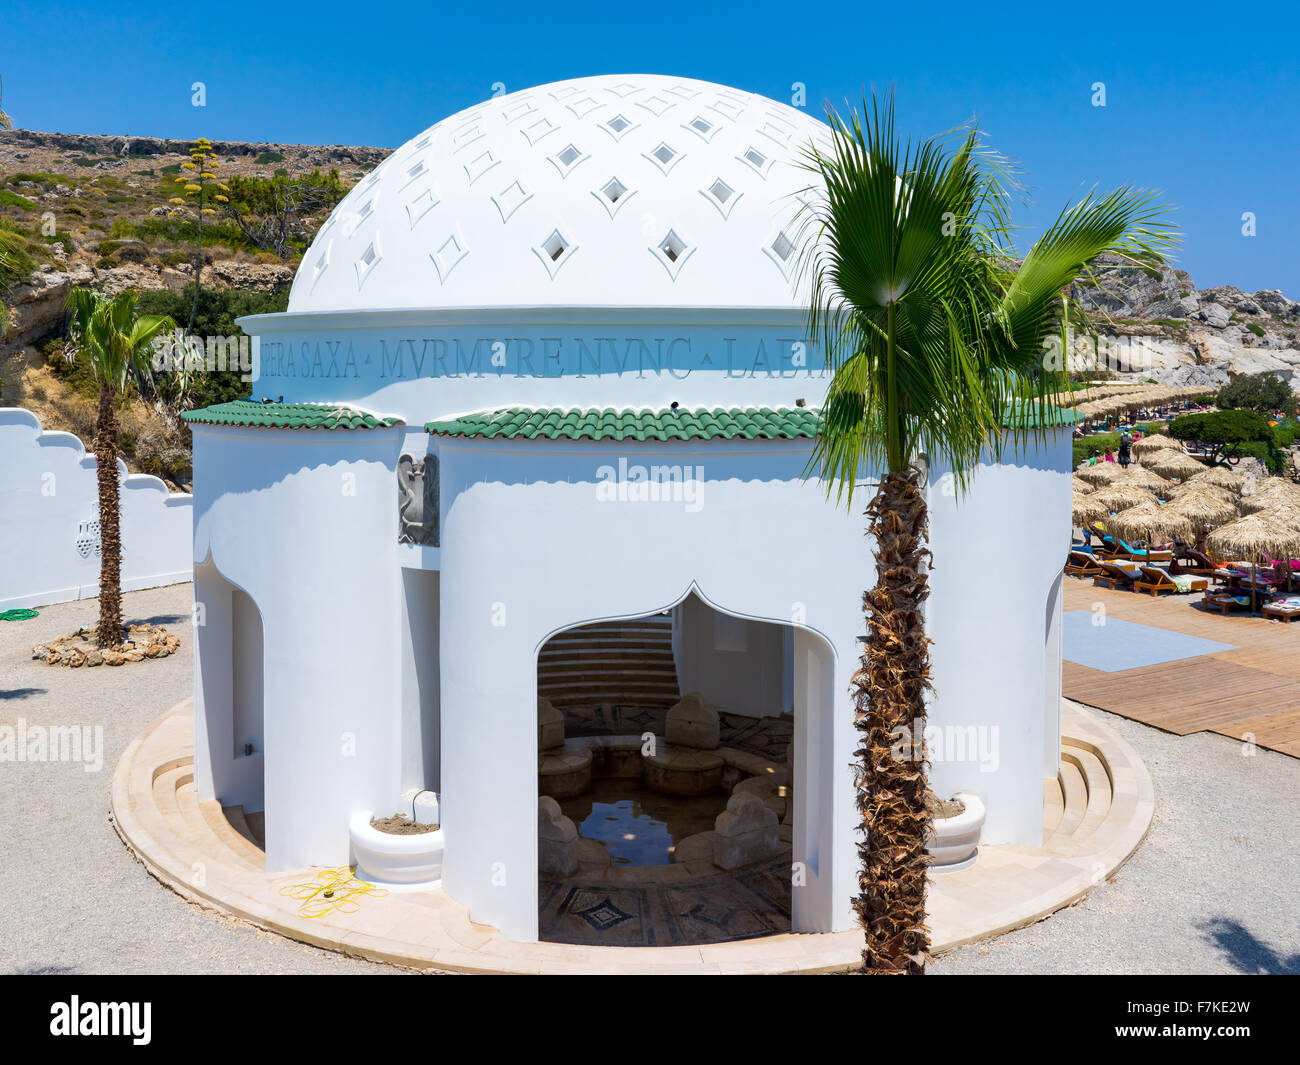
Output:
x,y
544,368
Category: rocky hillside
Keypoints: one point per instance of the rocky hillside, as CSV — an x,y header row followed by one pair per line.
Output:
x,y
94,211
1155,323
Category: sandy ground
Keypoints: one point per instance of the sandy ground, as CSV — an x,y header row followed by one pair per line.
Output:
x,y
1211,890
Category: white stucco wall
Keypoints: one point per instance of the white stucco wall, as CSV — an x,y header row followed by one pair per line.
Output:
x,y
49,498
529,548
305,523
998,553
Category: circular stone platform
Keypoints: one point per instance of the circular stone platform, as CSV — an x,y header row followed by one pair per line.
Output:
x,y
563,774
1097,812
683,771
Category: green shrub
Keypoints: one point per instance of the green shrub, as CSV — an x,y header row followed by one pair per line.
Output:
x,y
268,157
12,199
1255,328
43,178
1258,392
81,160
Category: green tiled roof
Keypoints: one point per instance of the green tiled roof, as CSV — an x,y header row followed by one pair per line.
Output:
x,y
250,412
1039,415
738,423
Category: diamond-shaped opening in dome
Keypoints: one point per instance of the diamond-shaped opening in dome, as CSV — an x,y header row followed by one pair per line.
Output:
x,y
684,91
618,126
757,161
367,261
722,196
664,156
554,251
447,255
321,264
702,128
623,89
554,246
612,195
781,250
672,251
415,172
567,158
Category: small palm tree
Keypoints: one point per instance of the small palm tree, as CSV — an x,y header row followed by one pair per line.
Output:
x,y
117,340
935,341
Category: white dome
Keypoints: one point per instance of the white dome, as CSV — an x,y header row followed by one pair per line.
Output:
x,y
614,191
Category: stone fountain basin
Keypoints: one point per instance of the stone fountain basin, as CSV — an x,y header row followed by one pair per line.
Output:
x,y
399,863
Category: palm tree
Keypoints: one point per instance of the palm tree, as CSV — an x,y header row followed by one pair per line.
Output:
x,y
117,340
935,340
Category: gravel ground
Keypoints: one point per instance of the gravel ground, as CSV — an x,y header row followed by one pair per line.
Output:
x,y
75,901
1211,890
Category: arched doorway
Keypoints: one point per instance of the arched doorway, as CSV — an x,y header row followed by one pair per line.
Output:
x,y
229,700
668,747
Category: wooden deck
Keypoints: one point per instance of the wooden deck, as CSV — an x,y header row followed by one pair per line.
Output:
x,y
1253,690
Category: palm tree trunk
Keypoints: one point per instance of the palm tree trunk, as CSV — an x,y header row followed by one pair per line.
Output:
x,y
109,632
890,710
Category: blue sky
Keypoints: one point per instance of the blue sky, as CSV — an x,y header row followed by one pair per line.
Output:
x,y
1202,102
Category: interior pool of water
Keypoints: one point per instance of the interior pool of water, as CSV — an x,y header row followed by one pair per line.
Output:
x,y
639,827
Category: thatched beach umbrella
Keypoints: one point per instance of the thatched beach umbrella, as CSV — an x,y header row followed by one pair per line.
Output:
x,y
1144,478
1102,473
1123,496
1087,509
1260,494
1205,507
1080,486
1195,487
1150,521
1217,475
1255,538
1173,464
1159,442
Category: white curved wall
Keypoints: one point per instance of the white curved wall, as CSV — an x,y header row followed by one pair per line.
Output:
x,y
992,614
305,523
530,548
49,497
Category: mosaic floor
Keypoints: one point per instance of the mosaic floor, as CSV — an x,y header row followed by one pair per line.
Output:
x,y
754,901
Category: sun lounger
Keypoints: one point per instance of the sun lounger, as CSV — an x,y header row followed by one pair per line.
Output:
x,y
1156,581
1082,564
1286,609
1114,575
1194,563
1223,602
1122,550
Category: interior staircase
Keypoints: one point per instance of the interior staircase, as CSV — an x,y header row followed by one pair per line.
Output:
x,y
610,662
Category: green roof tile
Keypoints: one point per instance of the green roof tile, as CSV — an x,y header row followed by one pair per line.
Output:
x,y
747,423
248,412
737,423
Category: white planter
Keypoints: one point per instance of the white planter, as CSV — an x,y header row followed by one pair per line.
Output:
x,y
399,863
954,841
